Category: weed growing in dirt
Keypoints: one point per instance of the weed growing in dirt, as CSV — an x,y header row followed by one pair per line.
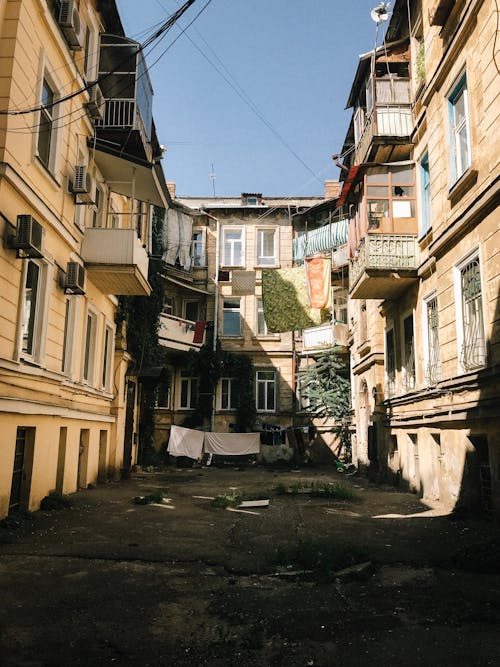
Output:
x,y
316,490
233,498
157,497
55,501
320,558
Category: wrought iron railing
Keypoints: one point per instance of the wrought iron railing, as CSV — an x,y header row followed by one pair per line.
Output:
x,y
392,252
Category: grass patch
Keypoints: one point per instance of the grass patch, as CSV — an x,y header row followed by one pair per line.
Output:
x,y
55,501
322,558
233,498
316,490
157,497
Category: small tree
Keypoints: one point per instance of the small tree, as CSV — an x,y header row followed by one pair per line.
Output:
x,y
326,386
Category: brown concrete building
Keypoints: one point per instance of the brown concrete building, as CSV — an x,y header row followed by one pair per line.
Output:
x,y
422,189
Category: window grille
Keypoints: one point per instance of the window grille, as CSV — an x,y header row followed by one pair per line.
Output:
x,y
433,367
473,347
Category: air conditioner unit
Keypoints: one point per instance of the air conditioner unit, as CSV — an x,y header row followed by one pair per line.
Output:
x,y
29,237
83,186
75,278
69,21
96,105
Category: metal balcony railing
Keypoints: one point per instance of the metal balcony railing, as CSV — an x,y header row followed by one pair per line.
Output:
x,y
389,252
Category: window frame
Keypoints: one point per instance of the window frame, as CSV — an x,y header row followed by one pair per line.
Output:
x,y
107,356
38,314
458,90
191,384
198,247
390,373
69,335
386,181
231,393
425,219
408,365
267,384
89,359
462,334
432,352
227,311
57,111
262,260
231,255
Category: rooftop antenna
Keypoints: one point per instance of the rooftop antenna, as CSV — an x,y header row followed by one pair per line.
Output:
x,y
212,178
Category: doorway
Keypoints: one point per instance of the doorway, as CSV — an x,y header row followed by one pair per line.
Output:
x,y
22,469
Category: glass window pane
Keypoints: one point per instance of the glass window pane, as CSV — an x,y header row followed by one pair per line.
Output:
x,y
378,191
378,176
402,175
30,303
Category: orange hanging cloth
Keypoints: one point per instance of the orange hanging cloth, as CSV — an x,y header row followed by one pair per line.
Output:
x,y
318,270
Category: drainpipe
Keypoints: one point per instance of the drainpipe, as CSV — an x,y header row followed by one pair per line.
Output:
x,y
216,300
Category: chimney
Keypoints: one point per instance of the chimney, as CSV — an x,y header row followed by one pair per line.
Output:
x,y
332,189
171,189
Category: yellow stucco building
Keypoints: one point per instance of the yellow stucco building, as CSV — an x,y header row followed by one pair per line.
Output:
x,y
79,174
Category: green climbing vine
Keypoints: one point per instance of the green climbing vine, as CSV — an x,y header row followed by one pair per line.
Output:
x,y
326,386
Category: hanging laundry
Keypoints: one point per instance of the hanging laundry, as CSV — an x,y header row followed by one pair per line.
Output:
x,y
319,280
199,331
243,282
177,235
286,303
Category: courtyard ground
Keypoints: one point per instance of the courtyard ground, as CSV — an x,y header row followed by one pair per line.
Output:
x,y
184,583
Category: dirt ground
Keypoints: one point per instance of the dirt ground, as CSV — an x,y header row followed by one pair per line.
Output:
x,y
108,582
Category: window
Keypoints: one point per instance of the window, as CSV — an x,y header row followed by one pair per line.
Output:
x,y
34,309
233,250
359,124
168,305
189,391
231,317
252,201
390,194
408,354
229,394
266,391
390,363
266,252
191,310
340,305
459,127
107,358
198,248
261,322
97,208
46,121
470,316
425,196
69,335
431,341
90,345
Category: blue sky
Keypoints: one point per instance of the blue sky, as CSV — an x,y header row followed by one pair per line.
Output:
x,y
293,59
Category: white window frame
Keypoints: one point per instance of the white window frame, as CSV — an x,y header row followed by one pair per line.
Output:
x,y
266,383
409,381
69,335
430,350
99,208
91,50
463,367
39,316
424,192
262,259
231,394
390,385
90,338
108,340
57,112
228,259
229,310
192,386
198,247
459,89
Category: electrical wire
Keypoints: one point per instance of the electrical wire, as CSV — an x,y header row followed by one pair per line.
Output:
x,y
156,35
235,86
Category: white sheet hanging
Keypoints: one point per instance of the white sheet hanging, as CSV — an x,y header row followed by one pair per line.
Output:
x,y
185,442
232,444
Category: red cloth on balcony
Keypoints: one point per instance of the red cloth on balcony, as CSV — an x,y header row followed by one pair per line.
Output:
x,y
199,331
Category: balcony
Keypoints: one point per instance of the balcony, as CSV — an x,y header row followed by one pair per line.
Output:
x,y
388,122
116,261
386,265
330,237
177,334
325,336
125,84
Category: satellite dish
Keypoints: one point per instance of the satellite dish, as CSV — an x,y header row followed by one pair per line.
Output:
x,y
380,13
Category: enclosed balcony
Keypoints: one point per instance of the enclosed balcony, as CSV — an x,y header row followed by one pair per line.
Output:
x,y
331,237
385,265
116,261
124,81
328,335
179,334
